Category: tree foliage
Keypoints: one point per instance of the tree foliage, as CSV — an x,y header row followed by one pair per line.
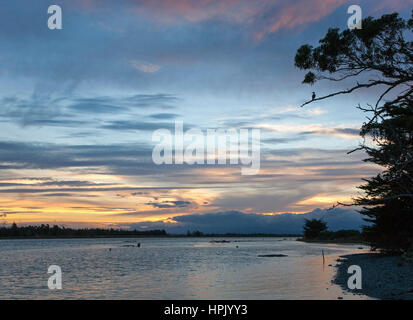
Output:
x,y
382,53
388,197
378,49
313,228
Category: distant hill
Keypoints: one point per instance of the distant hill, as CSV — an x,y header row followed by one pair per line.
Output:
x,y
239,222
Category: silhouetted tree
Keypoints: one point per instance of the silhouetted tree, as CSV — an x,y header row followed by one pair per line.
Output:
x,y
378,55
313,228
14,230
196,233
388,197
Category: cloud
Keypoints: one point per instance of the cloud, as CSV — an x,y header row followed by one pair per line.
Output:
x,y
349,133
281,140
52,156
164,116
46,111
239,222
145,67
65,194
139,68
137,125
310,129
298,13
262,17
71,183
96,108
153,100
37,111
42,190
169,204
393,5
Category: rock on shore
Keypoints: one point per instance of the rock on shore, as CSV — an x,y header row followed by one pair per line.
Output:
x,y
382,276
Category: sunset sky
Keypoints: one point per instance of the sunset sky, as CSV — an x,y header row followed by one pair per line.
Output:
x,y
79,106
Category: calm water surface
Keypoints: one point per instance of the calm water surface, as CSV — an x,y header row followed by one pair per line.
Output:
x,y
187,268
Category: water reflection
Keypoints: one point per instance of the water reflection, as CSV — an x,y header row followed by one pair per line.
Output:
x,y
181,268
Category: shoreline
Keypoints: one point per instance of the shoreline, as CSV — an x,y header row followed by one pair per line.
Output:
x,y
337,241
150,236
382,276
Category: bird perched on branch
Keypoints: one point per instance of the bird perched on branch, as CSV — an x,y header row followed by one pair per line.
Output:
x,y
313,96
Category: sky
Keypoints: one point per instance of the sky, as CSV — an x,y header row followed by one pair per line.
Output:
x,y
78,107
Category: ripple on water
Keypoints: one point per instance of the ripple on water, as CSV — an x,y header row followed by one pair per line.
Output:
x,y
178,268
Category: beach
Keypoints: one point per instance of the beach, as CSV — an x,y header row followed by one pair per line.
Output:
x,y
382,276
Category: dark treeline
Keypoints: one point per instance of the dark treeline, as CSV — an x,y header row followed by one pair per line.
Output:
x,y
342,236
201,234
45,230
317,230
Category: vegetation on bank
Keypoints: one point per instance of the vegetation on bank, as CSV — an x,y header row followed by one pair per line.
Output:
x,y
316,230
47,231
340,236
277,235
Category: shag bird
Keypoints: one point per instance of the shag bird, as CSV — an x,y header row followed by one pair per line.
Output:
x,y
313,96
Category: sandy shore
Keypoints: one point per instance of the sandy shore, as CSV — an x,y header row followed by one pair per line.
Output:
x,y
382,278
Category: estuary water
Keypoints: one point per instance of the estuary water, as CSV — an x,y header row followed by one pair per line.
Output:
x,y
172,268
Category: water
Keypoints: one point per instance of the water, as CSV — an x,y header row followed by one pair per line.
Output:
x,y
177,268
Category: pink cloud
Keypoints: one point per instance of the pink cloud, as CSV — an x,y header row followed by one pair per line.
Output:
x,y
300,13
262,16
393,5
